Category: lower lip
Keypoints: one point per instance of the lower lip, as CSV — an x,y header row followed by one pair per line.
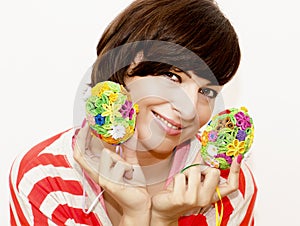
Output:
x,y
168,130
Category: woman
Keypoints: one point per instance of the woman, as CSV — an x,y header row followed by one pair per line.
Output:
x,y
174,58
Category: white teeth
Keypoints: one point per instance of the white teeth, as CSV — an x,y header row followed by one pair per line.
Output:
x,y
166,122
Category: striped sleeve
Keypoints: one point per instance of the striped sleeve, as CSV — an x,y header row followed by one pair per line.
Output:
x,y
45,189
238,206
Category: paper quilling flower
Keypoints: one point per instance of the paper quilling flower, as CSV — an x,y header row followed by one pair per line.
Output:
x,y
227,135
110,112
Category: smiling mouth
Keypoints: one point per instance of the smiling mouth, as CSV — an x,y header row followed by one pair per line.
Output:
x,y
170,124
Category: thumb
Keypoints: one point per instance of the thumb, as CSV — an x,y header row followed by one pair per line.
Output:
x,y
232,183
234,173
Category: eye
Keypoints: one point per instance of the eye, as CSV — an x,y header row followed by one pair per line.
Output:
x,y
172,76
210,93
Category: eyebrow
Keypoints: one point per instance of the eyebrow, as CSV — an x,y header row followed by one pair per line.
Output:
x,y
176,69
212,82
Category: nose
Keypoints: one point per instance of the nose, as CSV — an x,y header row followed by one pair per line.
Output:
x,y
186,102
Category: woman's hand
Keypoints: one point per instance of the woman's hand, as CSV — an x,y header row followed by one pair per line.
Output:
x,y
190,190
134,200
186,193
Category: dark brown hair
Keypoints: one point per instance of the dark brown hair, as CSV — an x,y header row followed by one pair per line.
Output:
x,y
196,25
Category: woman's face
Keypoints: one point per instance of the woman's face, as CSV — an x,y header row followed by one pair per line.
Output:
x,y
173,107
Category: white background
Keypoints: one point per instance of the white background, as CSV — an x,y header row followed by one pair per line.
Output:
x,y
47,46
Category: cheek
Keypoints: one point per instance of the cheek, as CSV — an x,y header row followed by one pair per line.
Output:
x,y
144,122
205,114
142,119
203,121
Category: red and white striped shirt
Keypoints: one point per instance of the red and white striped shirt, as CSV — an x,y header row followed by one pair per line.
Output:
x,y
46,189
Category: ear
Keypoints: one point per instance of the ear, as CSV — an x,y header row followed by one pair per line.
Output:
x,y
137,59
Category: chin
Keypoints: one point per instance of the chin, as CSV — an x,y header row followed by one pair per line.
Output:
x,y
162,145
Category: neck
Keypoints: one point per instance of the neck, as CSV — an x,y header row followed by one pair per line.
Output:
x,y
150,167
144,157
129,153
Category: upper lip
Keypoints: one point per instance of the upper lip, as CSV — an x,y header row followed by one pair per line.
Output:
x,y
169,120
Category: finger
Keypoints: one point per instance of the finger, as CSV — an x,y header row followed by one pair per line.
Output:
x,y
79,158
232,183
119,170
82,138
88,138
208,187
79,146
121,167
116,158
234,173
128,175
84,165
179,187
194,180
106,162
106,165
199,160
113,167
128,168
205,209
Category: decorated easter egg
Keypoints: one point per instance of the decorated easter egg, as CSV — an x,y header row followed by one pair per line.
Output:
x,y
110,112
229,134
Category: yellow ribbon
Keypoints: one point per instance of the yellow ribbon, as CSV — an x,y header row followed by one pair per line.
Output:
x,y
219,216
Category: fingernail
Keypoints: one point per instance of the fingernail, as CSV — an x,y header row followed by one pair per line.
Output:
x,y
129,174
239,158
83,123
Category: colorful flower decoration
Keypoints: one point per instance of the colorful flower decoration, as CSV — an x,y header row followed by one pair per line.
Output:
x,y
212,135
110,112
229,134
